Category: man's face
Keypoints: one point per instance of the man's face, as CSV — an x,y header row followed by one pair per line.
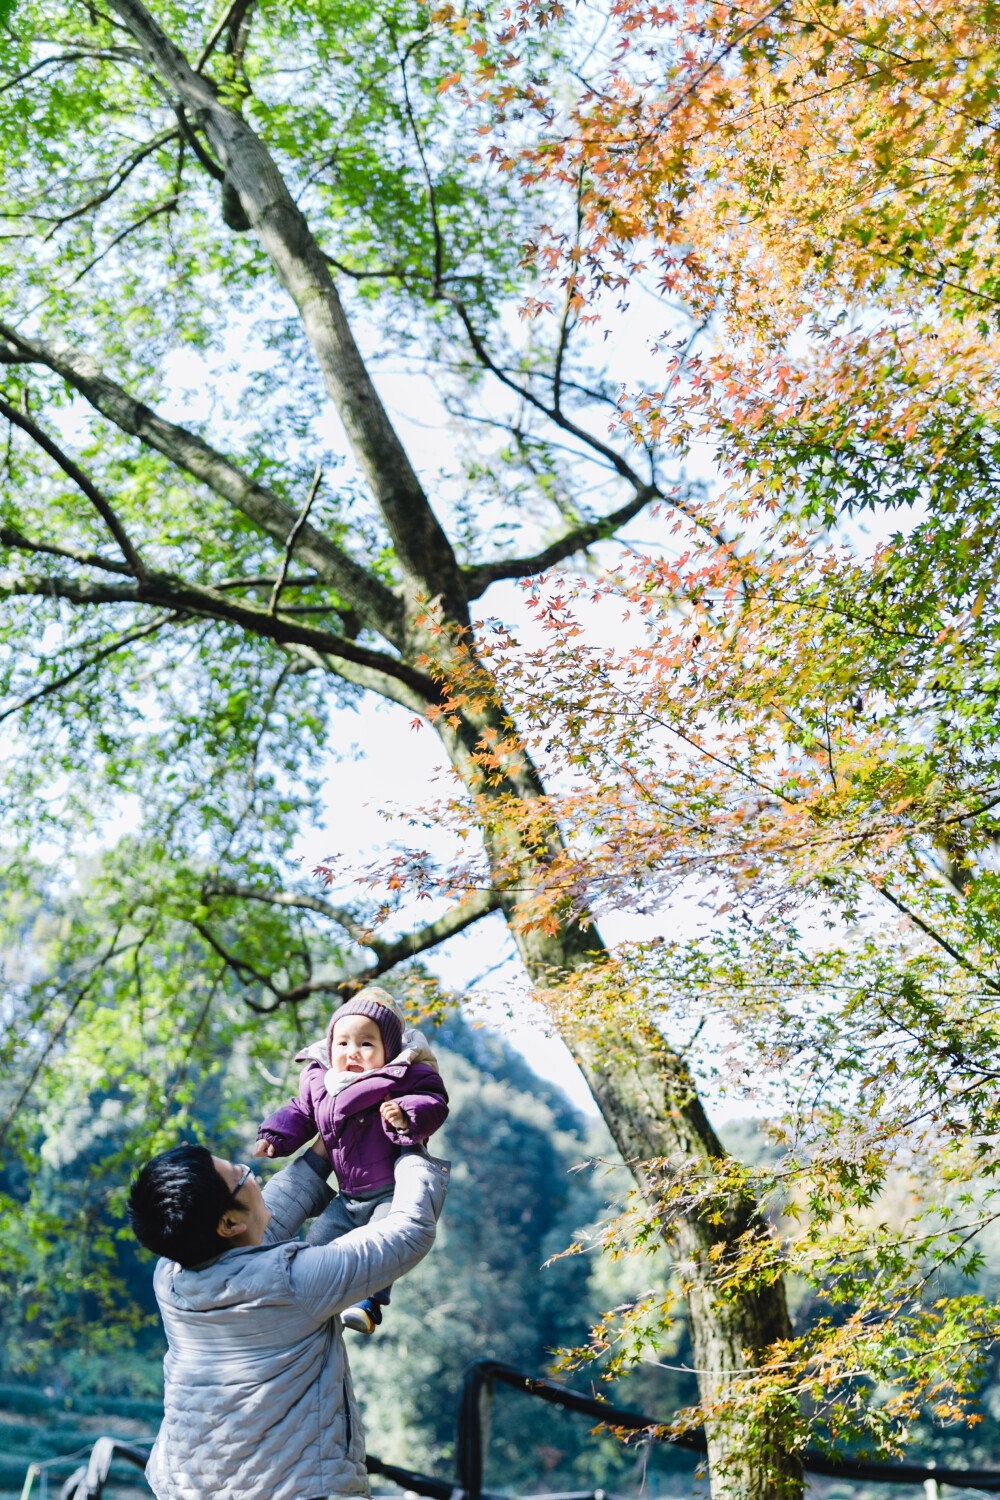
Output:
x,y
245,1224
356,1046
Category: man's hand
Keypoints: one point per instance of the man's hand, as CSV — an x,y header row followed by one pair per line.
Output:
x,y
263,1148
395,1115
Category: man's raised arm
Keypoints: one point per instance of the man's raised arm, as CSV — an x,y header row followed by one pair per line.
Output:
x,y
297,1193
326,1278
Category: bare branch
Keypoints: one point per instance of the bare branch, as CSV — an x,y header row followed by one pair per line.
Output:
x,y
477,906
52,688
293,536
482,575
374,602
554,414
369,679
81,480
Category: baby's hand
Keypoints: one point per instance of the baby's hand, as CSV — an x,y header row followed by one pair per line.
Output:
x,y
263,1148
395,1115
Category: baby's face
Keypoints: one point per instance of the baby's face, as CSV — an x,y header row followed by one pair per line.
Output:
x,y
356,1046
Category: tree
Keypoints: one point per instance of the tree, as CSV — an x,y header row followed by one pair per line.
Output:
x,y
153,649
807,726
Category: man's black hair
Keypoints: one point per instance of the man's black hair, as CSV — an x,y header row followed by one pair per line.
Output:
x,y
176,1202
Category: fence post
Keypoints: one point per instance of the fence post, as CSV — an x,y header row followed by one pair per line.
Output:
x,y
473,1428
932,1490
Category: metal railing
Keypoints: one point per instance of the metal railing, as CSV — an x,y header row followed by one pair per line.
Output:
x,y
472,1438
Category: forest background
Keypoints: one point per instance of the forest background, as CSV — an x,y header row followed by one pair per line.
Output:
x,y
752,679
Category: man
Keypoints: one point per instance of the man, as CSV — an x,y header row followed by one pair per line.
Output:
x,y
257,1401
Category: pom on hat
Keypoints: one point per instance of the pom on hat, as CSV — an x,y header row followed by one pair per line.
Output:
x,y
379,1006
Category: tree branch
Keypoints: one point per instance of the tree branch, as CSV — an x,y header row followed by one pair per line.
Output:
x,y
267,580
457,920
428,179
554,414
422,548
165,206
236,11
51,688
375,603
10,537
173,593
82,482
388,954
122,172
936,937
299,902
293,536
369,679
211,167
480,576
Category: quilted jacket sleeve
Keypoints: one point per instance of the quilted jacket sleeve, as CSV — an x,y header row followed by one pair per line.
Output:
x,y
327,1278
294,1194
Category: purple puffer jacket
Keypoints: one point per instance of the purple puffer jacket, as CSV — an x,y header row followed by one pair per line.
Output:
x,y
363,1147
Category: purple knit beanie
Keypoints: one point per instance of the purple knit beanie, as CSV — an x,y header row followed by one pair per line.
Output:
x,y
379,1006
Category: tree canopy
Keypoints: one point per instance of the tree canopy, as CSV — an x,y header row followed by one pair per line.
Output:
x,y
218,233
801,736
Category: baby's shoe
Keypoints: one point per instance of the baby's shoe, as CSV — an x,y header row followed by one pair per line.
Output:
x,y
363,1317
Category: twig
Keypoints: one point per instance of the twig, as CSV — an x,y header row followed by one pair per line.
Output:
x,y
11,537
936,937
216,32
165,206
80,479
428,179
293,536
92,661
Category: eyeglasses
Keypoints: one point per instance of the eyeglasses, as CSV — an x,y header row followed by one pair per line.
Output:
x,y
247,1172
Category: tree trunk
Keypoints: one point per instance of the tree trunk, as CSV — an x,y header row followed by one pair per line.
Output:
x,y
648,1101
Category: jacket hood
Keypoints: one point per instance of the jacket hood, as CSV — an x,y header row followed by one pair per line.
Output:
x,y
414,1050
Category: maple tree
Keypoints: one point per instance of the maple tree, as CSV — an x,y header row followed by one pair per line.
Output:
x,y
803,738
262,204
806,717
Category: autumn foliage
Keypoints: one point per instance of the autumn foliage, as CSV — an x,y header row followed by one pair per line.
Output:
x,y
792,740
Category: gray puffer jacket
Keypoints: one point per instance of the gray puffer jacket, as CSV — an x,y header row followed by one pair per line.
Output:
x,y
257,1401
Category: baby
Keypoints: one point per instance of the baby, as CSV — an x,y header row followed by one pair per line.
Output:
x,y
368,1096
